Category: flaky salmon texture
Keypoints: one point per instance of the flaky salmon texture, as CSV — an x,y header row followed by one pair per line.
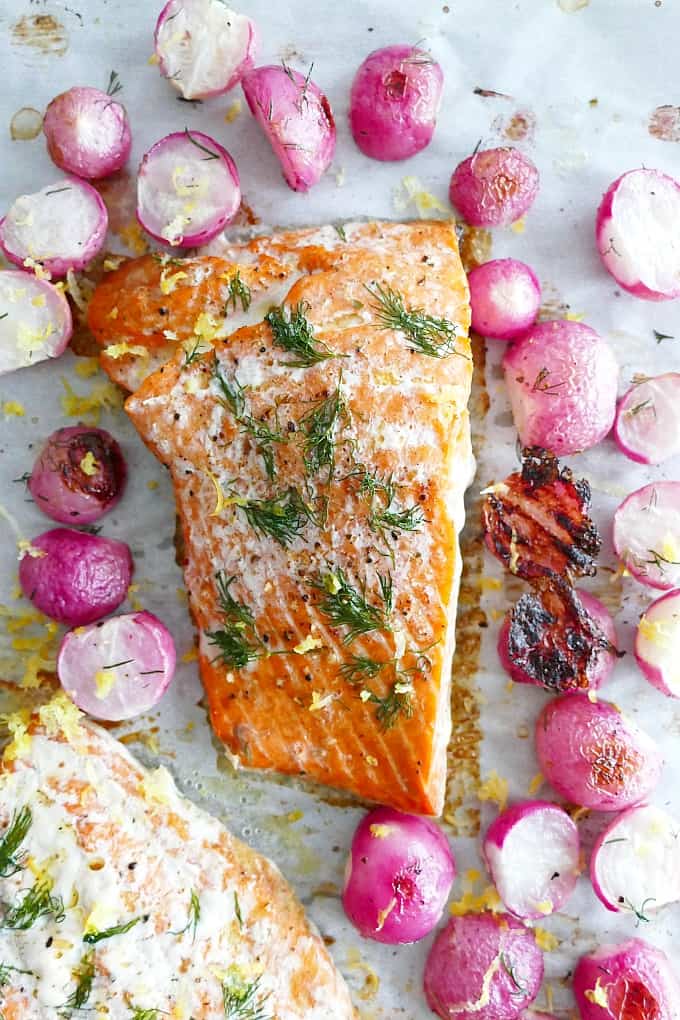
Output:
x,y
123,900
319,454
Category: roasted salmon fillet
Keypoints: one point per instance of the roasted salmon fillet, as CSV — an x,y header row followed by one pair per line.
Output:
x,y
319,459
122,899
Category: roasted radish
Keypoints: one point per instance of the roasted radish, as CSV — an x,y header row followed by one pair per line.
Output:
x,y
543,837
657,643
395,99
504,298
187,190
204,47
636,230
494,188
631,981
58,228
561,379
35,321
647,534
296,118
399,875
647,425
87,133
117,669
635,866
593,755
483,967
558,638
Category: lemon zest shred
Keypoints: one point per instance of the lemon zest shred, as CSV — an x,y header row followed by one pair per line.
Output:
x,y
13,409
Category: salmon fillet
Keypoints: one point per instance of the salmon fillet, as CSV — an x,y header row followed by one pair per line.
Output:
x,y
120,896
319,460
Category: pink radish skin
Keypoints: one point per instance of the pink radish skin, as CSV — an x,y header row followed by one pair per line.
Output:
x,y
494,188
606,660
531,1014
647,426
592,755
296,118
187,189
635,866
398,877
117,669
561,379
75,578
483,967
646,535
504,296
395,99
637,234
61,227
87,133
657,644
532,854
203,47
36,324
630,981
79,475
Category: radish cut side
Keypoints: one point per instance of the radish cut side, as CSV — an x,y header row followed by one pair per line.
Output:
x,y
647,425
637,234
35,320
532,852
647,534
635,865
61,227
657,644
187,189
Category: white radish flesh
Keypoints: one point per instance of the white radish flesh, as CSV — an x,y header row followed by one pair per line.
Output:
x,y
60,227
532,852
638,234
657,644
35,320
647,425
117,669
187,189
635,866
204,47
87,133
646,534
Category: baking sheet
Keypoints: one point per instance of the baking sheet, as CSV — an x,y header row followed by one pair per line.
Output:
x,y
578,86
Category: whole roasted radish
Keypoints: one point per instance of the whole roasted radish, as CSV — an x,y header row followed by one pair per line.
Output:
x,y
494,187
630,981
87,132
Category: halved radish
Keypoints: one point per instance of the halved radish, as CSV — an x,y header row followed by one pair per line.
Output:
x,y
646,534
637,234
532,853
204,47
657,643
187,190
593,755
87,132
631,981
60,227
35,320
647,424
119,668
635,866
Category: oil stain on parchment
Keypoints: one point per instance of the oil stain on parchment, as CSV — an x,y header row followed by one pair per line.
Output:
x,y
41,33
664,123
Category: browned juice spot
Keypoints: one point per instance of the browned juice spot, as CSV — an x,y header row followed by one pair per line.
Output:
x,y
41,32
664,123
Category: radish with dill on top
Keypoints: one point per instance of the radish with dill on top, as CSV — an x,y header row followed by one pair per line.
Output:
x,y
494,187
646,534
504,298
35,320
630,981
657,643
647,425
87,131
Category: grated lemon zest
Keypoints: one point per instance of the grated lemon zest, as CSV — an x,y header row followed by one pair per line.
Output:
x,y
17,724
87,367
536,783
411,191
545,940
60,715
104,681
597,995
88,408
519,226
319,701
89,465
381,831
169,283
13,409
158,785
116,351
233,111
495,789
308,645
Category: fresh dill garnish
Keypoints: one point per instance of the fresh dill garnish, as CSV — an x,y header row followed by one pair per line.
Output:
x,y
92,937
57,191
340,231
10,860
194,354
397,702
199,145
542,385
163,259
237,640
662,336
137,1012
346,605
84,976
233,394
241,999
649,403
510,970
237,291
361,667
408,519
4,315
386,591
425,333
237,910
234,399
194,913
640,915
292,331
115,85
388,517
282,517
6,971
36,902
660,561
319,426
115,665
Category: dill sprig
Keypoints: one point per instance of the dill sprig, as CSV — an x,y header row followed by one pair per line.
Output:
x,y
292,331
92,937
388,517
319,426
6,971
340,231
84,976
203,148
662,336
190,356
194,913
10,860
115,85
242,1000
361,667
137,1012
510,970
660,561
237,640
234,398
237,291
425,333
542,385
282,517
346,605
639,912
36,902
237,910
